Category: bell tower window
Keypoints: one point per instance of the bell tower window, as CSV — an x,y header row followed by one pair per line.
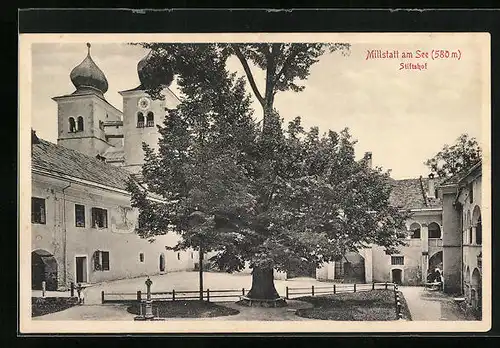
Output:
x,y
72,125
150,119
80,124
140,120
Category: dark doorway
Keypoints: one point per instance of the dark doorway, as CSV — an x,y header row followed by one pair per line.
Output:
x,y
162,262
351,268
43,268
397,276
436,261
81,269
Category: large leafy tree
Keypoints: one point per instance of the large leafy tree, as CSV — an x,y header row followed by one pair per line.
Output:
x,y
274,196
457,158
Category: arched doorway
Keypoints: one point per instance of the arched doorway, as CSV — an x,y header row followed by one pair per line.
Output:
x,y
162,262
475,284
397,276
43,268
436,261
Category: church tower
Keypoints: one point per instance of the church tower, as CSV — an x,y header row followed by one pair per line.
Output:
x,y
83,114
141,115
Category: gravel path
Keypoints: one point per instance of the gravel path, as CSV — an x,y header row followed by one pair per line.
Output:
x,y
425,305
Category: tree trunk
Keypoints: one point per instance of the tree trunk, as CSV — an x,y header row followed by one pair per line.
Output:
x,y
263,285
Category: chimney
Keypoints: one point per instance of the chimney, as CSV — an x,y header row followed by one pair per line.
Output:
x,y
34,138
368,157
432,189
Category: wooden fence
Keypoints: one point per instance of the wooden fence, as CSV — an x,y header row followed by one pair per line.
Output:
x,y
336,288
128,297
339,288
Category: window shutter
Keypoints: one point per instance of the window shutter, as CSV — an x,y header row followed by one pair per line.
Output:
x,y
42,211
97,261
105,218
105,260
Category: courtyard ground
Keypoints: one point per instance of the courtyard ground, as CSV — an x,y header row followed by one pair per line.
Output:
x,y
189,281
94,310
425,305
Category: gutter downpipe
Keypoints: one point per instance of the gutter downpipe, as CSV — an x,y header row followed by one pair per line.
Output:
x,y
65,238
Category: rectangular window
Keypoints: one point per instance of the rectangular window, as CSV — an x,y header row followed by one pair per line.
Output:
x,y
141,257
79,215
37,210
397,260
101,261
99,218
105,260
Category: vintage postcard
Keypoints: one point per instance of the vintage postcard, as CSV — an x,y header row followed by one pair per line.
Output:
x,y
233,183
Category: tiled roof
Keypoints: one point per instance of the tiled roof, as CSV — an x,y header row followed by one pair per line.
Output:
x,y
114,154
454,179
412,194
56,158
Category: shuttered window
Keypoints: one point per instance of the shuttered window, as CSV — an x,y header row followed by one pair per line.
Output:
x,y
99,218
105,260
79,215
101,260
37,210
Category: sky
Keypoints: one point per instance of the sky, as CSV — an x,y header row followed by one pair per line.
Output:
x,y
403,117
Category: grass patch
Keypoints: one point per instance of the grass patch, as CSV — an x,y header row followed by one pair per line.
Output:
x,y
375,305
185,309
46,305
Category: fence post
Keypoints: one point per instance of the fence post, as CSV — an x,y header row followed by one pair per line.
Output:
x,y
373,286
312,290
334,290
173,295
354,287
243,291
139,294
102,297
72,289
208,295
287,293
385,285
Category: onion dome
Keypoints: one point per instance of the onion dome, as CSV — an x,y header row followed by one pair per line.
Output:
x,y
87,75
153,74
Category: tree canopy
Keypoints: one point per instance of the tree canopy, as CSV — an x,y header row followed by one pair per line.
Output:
x,y
275,198
457,158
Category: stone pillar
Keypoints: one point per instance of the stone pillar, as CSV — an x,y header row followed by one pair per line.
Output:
x,y
149,303
424,235
452,242
473,241
368,265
